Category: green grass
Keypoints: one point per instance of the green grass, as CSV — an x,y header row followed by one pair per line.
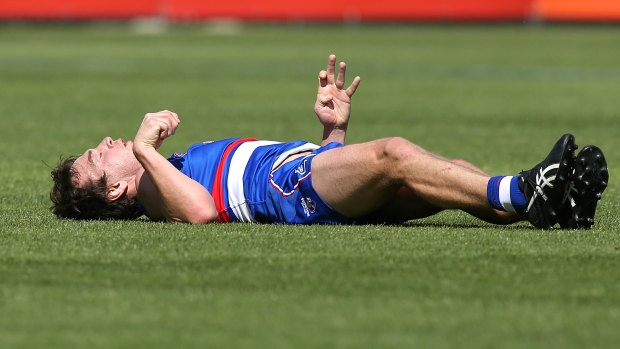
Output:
x,y
497,96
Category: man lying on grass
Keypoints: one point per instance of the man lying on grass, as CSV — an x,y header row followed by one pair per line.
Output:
x,y
387,180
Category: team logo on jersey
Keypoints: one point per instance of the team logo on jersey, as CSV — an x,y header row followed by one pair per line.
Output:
x,y
308,205
301,169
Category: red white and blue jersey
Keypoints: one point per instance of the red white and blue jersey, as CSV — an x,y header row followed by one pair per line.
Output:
x,y
238,174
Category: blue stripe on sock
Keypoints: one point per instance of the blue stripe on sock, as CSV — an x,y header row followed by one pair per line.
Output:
x,y
517,198
493,192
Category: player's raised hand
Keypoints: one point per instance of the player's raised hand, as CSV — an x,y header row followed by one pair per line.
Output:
x,y
155,128
333,102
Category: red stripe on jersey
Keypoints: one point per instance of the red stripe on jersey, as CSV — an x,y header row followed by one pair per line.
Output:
x,y
218,192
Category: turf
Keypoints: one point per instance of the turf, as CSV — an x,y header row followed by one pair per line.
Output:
x,y
497,96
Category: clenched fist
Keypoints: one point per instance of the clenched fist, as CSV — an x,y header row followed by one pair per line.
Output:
x,y
155,128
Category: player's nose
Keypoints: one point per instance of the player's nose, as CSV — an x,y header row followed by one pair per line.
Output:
x,y
105,143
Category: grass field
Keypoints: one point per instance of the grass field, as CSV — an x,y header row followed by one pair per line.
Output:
x,y
498,96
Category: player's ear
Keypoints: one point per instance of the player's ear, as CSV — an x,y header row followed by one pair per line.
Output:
x,y
117,190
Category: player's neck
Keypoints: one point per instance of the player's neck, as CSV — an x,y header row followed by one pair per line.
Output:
x,y
132,184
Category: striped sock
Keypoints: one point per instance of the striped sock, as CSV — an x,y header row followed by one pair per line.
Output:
x,y
504,194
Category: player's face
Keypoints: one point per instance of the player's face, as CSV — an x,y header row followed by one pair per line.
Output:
x,y
114,158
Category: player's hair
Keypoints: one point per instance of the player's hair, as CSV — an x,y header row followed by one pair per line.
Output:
x,y
89,202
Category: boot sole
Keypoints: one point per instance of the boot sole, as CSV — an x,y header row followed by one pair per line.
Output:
x,y
589,180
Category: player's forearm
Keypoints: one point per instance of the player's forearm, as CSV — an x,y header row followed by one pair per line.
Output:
x,y
334,134
183,199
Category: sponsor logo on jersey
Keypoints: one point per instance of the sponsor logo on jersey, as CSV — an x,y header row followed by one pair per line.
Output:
x,y
308,205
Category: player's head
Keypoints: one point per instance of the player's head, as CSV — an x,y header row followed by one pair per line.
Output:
x,y
95,184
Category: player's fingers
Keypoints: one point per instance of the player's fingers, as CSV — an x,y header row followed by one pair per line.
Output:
x,y
153,120
164,121
342,68
159,118
163,126
175,122
164,113
169,114
322,78
351,90
331,63
159,127
173,125
149,116
168,122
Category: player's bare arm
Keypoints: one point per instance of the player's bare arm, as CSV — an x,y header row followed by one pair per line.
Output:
x,y
333,102
165,192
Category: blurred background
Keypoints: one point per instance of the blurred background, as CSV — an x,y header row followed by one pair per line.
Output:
x,y
319,10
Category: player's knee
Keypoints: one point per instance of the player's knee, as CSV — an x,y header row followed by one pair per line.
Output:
x,y
397,149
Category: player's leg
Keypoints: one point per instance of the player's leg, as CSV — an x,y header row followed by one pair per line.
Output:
x,y
493,216
405,205
361,178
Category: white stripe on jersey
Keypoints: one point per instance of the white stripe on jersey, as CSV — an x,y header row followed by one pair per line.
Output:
x,y
238,163
236,193
286,154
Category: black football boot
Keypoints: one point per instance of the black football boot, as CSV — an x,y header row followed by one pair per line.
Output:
x,y
546,185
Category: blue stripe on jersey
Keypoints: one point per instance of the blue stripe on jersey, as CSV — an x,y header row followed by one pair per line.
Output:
x,y
201,160
256,176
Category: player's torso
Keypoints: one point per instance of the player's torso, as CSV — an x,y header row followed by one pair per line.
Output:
x,y
236,173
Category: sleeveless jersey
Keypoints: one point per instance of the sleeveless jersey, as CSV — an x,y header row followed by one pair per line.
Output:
x,y
237,173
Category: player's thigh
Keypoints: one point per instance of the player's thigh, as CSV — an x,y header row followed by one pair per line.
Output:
x,y
355,180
